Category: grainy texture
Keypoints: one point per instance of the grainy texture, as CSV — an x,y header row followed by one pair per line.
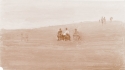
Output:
x,y
101,48
29,28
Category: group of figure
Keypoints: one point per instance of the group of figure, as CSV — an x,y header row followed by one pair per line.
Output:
x,y
103,20
65,36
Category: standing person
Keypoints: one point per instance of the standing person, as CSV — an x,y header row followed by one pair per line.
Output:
x,y
102,20
59,35
66,34
111,18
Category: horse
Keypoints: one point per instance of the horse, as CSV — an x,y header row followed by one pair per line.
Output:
x,y
60,37
76,37
66,37
63,37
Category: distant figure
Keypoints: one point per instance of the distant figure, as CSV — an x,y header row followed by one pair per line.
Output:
x,y
111,18
66,35
99,20
76,35
66,32
59,35
104,19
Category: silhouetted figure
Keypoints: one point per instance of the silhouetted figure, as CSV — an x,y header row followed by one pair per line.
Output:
x,y
76,35
111,18
104,19
59,35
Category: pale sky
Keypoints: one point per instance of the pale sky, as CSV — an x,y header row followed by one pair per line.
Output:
x,y
16,14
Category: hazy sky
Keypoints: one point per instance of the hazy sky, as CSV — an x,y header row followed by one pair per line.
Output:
x,y
38,13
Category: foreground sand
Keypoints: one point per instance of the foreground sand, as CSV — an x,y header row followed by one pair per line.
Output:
x,y
101,48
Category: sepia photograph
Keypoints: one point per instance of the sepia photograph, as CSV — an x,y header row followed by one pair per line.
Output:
x,y
62,34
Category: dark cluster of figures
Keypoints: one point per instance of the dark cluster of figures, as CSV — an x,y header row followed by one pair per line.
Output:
x,y
65,36
103,20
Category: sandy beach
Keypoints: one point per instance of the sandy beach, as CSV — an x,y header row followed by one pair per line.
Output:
x,y
101,48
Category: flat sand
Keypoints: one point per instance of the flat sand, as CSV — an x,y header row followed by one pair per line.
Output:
x,y
101,48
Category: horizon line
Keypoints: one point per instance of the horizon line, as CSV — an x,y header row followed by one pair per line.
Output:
x,y
54,25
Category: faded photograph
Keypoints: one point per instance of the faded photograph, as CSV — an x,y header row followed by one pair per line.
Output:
x,y
62,35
